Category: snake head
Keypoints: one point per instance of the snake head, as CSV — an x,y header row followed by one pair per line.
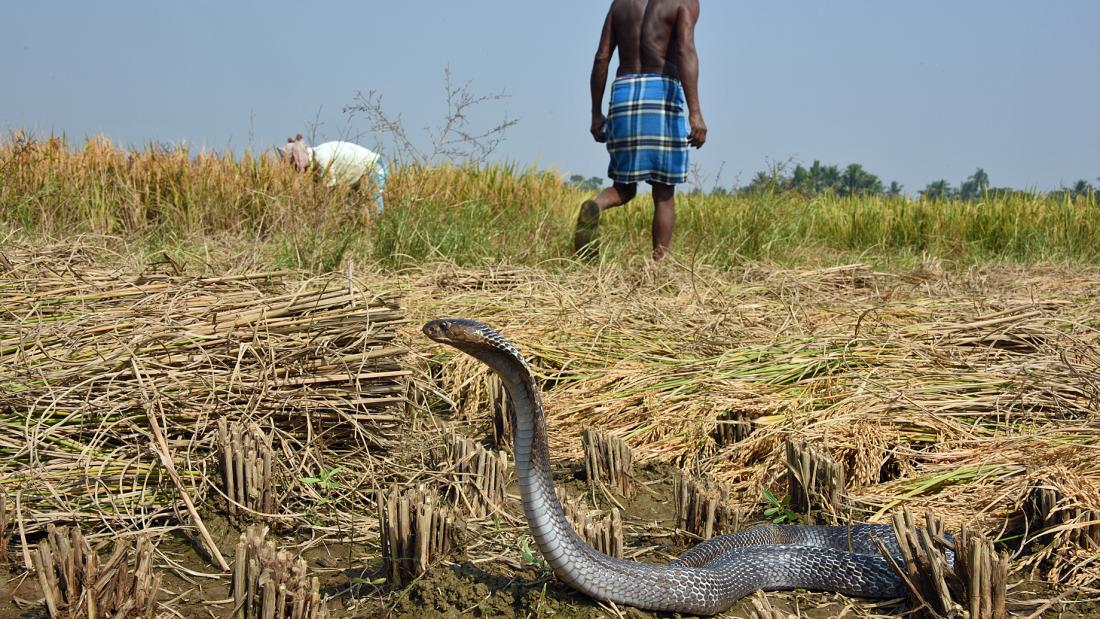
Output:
x,y
470,337
458,332
438,330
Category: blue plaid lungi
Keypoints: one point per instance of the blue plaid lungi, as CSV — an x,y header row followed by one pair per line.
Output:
x,y
647,130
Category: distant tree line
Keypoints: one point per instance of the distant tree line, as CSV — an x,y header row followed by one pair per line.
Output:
x,y
977,185
590,184
974,187
855,180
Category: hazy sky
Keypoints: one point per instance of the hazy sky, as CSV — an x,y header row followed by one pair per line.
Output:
x,y
915,91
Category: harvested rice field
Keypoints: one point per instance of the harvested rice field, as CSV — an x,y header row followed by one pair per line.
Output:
x,y
228,439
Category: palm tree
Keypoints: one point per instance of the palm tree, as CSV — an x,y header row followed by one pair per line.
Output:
x,y
830,177
815,177
976,186
800,180
822,178
938,190
856,181
763,182
592,183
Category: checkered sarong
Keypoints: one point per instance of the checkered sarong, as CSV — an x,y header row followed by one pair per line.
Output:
x,y
647,130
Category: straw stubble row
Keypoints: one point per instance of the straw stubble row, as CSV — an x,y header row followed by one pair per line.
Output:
x,y
270,583
247,474
76,583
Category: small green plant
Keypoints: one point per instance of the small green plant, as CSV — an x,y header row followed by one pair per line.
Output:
x,y
542,598
531,557
325,481
780,511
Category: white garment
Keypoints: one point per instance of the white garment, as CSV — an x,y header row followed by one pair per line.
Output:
x,y
345,162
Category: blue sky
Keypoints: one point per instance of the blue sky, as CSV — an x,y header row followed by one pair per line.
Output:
x,y
915,91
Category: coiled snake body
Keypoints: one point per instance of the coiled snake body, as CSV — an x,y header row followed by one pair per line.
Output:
x,y
707,579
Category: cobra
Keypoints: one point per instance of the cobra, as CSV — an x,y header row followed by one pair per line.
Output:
x,y
705,580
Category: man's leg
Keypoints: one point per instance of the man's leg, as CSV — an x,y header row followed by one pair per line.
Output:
x,y
616,195
379,186
664,218
585,239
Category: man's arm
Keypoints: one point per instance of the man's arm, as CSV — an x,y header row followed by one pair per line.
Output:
x,y
686,18
599,77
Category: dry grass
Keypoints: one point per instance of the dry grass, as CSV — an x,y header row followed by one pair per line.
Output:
x,y
167,198
952,390
92,356
943,390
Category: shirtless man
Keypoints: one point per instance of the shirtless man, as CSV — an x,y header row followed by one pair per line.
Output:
x,y
646,131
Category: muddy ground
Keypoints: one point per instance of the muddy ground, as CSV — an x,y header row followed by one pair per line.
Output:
x,y
461,587
517,585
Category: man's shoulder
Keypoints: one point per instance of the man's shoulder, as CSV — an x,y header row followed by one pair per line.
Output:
x,y
666,10
675,5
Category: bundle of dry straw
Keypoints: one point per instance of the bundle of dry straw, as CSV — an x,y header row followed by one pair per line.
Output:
x,y
91,356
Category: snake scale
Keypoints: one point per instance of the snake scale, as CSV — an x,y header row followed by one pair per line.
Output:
x,y
705,580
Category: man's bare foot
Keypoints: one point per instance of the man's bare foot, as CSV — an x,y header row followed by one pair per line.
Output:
x,y
586,238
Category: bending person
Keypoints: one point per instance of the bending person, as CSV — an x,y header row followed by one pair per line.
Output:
x,y
340,163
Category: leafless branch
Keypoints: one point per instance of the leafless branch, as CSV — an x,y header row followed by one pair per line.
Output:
x,y
453,140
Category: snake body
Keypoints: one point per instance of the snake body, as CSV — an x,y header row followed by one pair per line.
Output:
x,y
707,579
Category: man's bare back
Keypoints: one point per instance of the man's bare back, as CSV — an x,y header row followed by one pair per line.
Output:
x,y
651,36
658,76
643,32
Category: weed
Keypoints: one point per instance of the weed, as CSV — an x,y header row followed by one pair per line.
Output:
x,y
325,480
532,557
780,511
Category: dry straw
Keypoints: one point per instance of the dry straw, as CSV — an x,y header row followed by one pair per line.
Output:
x,y
955,391
5,529
248,471
815,483
416,530
475,478
932,389
608,462
703,508
603,530
102,368
944,576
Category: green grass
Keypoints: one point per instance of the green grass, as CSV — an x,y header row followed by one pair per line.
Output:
x,y
167,200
